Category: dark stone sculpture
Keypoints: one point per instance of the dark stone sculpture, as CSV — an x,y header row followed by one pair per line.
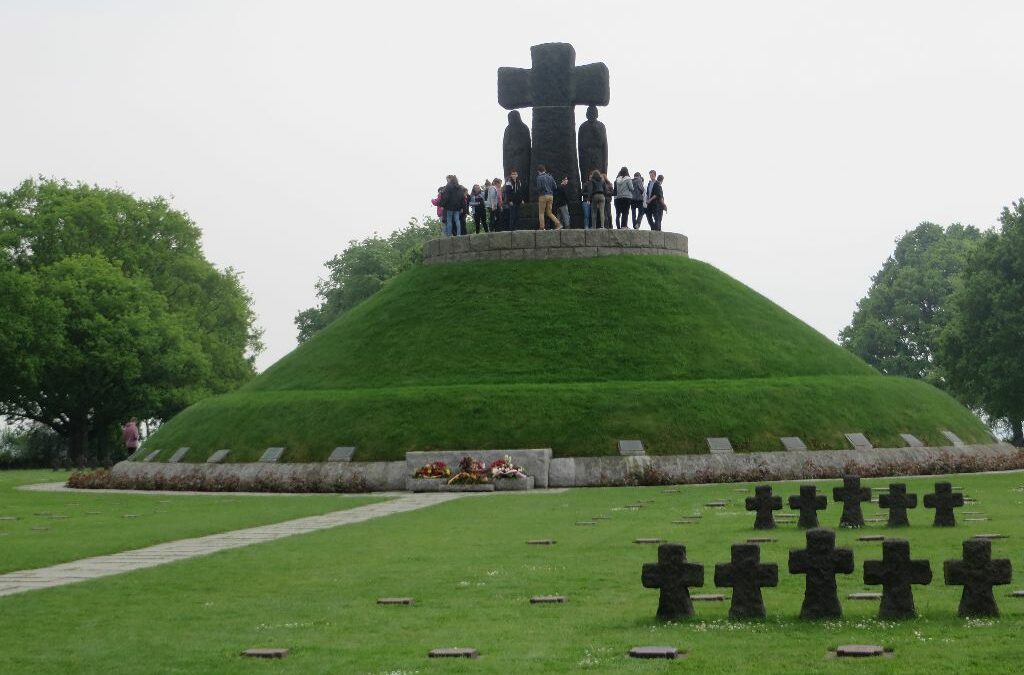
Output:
x,y
896,572
764,503
977,573
746,574
851,495
515,148
553,87
808,503
674,575
593,144
898,501
944,500
821,561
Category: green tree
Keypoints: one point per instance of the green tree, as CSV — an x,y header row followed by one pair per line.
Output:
x,y
182,329
896,327
982,347
361,270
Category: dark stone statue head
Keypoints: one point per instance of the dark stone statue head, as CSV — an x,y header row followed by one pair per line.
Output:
x,y
592,113
515,118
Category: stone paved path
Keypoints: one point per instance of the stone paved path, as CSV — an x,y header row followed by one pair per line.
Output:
x,y
183,549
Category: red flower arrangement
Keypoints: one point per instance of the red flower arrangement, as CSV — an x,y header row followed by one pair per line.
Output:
x,y
433,470
470,471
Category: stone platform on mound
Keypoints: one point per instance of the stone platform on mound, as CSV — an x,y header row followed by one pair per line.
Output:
x,y
553,244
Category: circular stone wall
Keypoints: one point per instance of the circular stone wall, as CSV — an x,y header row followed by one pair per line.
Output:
x,y
549,244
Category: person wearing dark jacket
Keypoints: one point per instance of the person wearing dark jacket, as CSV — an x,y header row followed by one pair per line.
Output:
x,y
637,205
454,201
561,203
513,195
597,199
656,205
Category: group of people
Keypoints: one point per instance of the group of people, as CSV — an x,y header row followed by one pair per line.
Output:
x,y
495,204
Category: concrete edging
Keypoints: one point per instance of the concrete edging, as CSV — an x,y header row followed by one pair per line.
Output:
x,y
553,244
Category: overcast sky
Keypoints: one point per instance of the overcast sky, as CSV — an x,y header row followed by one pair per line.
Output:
x,y
798,139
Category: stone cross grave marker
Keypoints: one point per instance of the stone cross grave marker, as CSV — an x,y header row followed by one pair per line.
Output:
x,y
342,454
944,500
272,455
896,573
791,443
719,446
553,87
178,455
898,501
977,573
746,575
859,441
629,448
912,441
764,503
953,438
217,457
674,575
821,561
851,495
809,502
152,456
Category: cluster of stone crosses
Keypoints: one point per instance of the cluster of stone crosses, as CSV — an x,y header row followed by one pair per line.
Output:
x,y
821,561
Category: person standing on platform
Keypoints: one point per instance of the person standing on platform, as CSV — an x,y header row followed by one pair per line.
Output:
x,y
647,196
623,198
598,186
656,206
545,198
454,201
476,205
585,196
513,197
491,202
637,205
561,203
438,201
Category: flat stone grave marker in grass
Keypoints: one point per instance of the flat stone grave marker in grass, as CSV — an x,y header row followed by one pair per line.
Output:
x,y
670,491
601,518
151,456
586,522
178,455
864,596
761,540
217,457
851,495
272,455
93,513
707,597
953,438
265,653
342,454
975,520
40,529
974,513
631,448
719,446
746,575
686,522
792,444
859,651
648,540
454,653
871,537
820,562
859,441
990,535
548,600
673,575
911,440
764,503
541,542
977,572
670,653
58,517
130,515
718,504
876,519
944,500
8,518
897,574
396,601
1017,594
898,501
809,502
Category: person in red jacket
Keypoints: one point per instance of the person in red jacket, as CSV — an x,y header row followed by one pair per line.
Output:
x,y
130,436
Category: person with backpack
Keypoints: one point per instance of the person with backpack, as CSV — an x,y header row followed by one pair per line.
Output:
x,y
597,199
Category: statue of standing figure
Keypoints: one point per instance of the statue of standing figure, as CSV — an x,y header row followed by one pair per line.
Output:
x,y
593,144
516,149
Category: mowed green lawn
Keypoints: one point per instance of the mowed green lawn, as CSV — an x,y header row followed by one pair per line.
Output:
x,y
52,528
468,566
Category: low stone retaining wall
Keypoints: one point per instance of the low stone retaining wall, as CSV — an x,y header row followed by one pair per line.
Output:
x,y
600,471
552,244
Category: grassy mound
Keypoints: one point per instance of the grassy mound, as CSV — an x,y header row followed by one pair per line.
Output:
x,y
567,354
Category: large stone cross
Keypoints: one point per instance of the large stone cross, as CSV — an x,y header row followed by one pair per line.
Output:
x,y
764,503
674,575
553,87
896,572
809,502
821,561
977,573
944,500
898,501
851,495
746,574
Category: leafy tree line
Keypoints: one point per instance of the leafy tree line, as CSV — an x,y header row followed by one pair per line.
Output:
x,y
109,309
361,270
948,307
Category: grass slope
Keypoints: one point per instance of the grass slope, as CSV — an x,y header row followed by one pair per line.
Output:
x,y
471,573
564,354
83,524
